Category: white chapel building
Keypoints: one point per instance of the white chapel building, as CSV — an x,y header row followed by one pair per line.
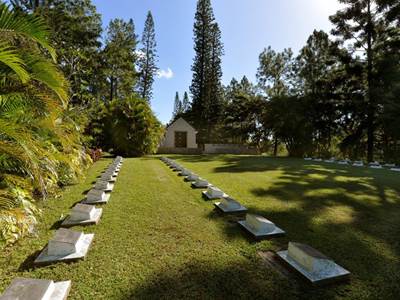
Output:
x,y
180,137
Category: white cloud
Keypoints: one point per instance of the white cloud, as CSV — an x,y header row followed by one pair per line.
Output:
x,y
167,74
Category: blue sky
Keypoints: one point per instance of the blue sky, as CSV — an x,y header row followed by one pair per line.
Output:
x,y
248,26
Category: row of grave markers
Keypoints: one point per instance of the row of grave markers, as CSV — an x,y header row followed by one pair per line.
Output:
x,y
356,163
67,245
310,263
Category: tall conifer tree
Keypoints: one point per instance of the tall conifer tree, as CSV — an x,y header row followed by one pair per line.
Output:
x,y
185,102
177,107
358,23
147,61
206,83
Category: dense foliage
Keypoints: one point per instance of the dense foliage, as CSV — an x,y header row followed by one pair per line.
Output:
x,y
147,59
337,97
206,87
40,143
61,93
128,127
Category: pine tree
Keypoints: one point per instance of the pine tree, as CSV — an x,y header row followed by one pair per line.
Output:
x,y
147,59
206,87
358,23
177,107
204,19
119,55
213,92
185,102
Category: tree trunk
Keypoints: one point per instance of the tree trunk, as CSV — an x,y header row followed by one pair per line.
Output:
x,y
275,146
370,100
111,88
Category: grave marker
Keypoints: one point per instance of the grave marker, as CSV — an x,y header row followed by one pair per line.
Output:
x,y
230,206
260,227
312,264
66,245
36,289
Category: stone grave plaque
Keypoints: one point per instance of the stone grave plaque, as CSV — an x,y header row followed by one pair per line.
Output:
x,y
185,172
389,165
200,183
107,177
229,205
260,227
312,264
81,212
66,245
95,195
36,289
331,160
213,193
110,172
375,165
178,168
29,289
64,242
103,185
192,177
309,258
259,224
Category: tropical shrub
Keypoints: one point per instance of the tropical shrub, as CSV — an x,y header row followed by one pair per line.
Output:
x,y
40,143
127,127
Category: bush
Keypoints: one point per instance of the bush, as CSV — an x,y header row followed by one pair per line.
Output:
x,y
128,127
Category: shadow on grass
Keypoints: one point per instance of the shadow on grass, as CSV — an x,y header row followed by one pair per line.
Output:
x,y
244,280
86,191
27,264
202,280
57,224
351,215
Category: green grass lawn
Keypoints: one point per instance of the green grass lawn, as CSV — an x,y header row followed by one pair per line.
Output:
x,y
159,239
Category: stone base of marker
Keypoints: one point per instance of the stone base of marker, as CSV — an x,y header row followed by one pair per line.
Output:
x,y
213,193
200,184
375,165
36,289
184,173
83,215
96,197
312,265
192,177
330,161
230,206
108,177
65,246
389,165
260,228
103,185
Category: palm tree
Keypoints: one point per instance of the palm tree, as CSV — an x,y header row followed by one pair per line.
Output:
x,y
36,135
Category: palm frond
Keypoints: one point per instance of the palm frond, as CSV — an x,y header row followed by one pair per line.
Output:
x,y
30,26
10,58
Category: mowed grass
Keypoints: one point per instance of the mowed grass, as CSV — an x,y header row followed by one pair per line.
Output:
x,y
159,239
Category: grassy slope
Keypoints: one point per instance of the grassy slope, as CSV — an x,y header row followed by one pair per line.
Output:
x,y
159,239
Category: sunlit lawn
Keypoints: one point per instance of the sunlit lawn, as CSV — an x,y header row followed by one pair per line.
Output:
x,y
159,239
